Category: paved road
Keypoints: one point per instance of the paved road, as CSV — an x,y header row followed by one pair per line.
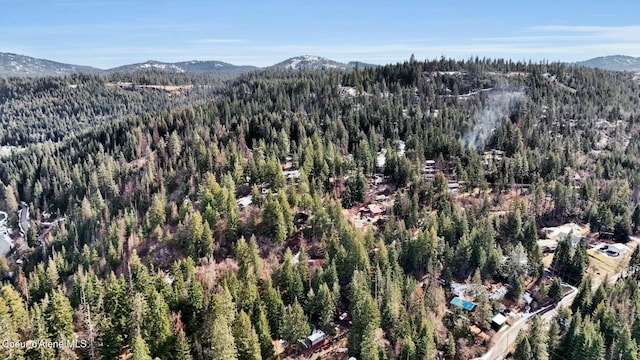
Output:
x,y
507,337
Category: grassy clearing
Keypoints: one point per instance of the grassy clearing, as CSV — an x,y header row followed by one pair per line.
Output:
x,y
602,265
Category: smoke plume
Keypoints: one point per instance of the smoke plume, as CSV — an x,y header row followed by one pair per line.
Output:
x,y
500,103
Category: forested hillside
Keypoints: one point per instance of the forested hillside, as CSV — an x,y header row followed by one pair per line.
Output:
x,y
212,229
37,109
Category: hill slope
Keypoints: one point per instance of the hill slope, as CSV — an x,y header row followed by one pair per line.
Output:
x,y
614,62
20,65
194,66
317,62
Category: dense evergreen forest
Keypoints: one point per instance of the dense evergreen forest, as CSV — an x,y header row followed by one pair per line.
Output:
x,y
34,110
151,256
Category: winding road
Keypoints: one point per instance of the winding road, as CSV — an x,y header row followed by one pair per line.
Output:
x,y
507,338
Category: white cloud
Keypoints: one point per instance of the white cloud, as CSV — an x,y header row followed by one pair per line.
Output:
x,y
617,33
106,28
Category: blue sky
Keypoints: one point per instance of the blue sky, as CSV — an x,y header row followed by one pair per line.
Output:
x,y
108,33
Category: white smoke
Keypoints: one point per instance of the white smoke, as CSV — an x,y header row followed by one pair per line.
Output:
x,y
500,103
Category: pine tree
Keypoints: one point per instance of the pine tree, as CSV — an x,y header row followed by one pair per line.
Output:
x,y
635,328
275,309
182,347
289,280
325,306
13,316
89,326
245,267
622,229
111,339
223,346
582,301
286,212
635,218
516,287
523,350
450,348
15,309
206,242
264,335
10,200
562,258
41,333
538,339
246,338
52,276
295,323
59,316
157,326
369,345
425,345
195,235
256,196
139,349
364,311
156,216
483,312
625,347
579,263
273,219
553,340
555,291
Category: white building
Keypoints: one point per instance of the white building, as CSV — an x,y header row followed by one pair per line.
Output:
x,y
245,201
292,174
562,232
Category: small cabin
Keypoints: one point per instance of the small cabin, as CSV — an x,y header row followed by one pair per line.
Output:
x,y
497,321
315,340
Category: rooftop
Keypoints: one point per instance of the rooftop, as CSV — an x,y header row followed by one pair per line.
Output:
x,y
499,319
316,336
245,201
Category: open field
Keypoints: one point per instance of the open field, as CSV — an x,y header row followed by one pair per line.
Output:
x,y
602,265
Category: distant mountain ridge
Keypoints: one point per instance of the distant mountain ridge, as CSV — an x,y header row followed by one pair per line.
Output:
x,y
21,65
194,66
613,62
317,62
